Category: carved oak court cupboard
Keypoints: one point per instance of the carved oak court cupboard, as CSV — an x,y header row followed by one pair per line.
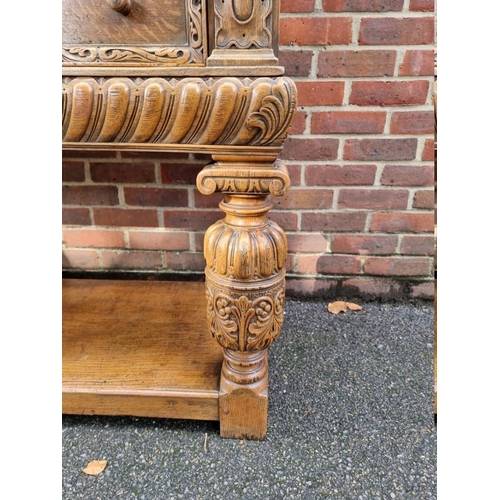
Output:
x,y
182,76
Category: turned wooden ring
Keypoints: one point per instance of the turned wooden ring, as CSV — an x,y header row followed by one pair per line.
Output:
x,y
121,6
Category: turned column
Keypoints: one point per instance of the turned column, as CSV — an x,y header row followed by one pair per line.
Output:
x,y
245,285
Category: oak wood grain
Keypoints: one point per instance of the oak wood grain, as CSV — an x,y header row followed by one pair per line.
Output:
x,y
138,348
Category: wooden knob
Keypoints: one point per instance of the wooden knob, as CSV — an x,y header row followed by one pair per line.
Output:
x,y
121,6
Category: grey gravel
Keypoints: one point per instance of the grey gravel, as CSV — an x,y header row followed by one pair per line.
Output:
x,y
350,417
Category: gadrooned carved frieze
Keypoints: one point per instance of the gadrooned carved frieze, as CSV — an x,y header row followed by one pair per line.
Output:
x,y
246,321
211,111
192,54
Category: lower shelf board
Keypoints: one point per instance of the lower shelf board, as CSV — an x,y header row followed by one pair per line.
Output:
x,y
138,348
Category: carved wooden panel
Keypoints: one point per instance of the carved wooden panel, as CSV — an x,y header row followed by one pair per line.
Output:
x,y
243,32
133,32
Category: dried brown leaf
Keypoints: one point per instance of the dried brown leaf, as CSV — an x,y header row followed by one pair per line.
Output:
x,y
95,467
340,306
337,307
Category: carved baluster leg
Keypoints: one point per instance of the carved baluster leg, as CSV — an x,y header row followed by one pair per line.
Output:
x,y
245,284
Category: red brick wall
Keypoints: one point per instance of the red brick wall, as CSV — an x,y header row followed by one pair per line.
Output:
x,y
360,214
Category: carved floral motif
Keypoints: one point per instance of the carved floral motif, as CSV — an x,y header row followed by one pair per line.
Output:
x,y
245,323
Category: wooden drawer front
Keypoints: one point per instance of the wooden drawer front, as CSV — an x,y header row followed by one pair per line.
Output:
x,y
152,33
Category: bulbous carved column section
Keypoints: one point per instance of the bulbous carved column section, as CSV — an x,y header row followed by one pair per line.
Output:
x,y
245,256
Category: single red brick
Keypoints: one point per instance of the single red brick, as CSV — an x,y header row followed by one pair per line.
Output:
x,y
373,288
364,244
418,245
298,123
79,259
340,175
315,31
130,260
376,93
422,5
348,122
156,197
305,199
404,222
93,238
424,199
319,93
397,266
373,199
125,217
349,63
90,195
73,171
191,219
338,264
295,174
207,201
122,172
393,31
424,291
287,220
307,242
362,5
310,287
417,63
297,5
179,173
332,221
380,149
328,264
185,261
429,149
76,217
310,149
159,240
199,238
296,62
407,175
412,122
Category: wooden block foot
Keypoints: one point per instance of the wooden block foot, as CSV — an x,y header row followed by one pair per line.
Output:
x,y
243,395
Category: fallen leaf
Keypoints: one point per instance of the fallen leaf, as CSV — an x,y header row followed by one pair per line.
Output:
x,y
337,307
340,306
95,467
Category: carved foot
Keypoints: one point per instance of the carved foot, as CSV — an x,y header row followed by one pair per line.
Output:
x,y
243,395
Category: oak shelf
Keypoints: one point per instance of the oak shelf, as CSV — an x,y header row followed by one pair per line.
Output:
x,y
139,348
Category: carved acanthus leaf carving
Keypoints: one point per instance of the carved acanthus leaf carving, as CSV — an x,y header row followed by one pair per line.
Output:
x,y
274,118
241,323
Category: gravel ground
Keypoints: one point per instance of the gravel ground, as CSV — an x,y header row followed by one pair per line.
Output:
x,y
350,417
